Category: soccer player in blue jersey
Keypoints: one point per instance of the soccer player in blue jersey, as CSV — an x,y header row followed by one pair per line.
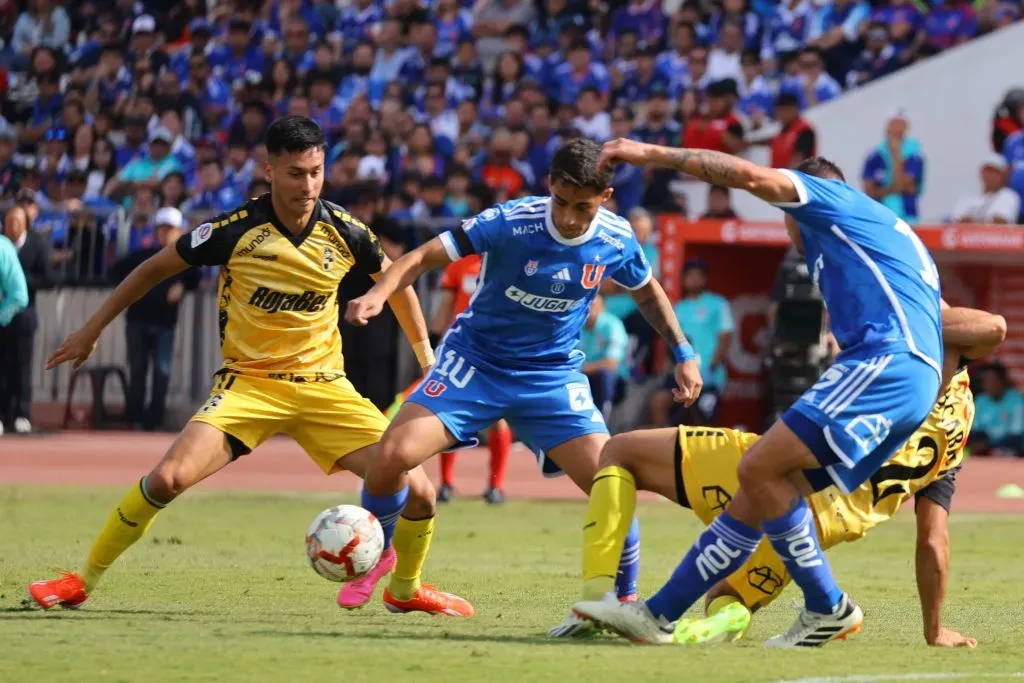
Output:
x,y
881,289
512,353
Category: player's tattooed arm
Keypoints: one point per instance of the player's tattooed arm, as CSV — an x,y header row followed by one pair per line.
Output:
x,y
657,310
708,165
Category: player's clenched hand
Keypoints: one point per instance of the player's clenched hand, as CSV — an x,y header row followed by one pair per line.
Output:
x,y
689,380
78,347
950,638
361,309
624,150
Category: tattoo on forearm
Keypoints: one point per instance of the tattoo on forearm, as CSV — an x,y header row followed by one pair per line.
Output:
x,y
661,317
710,166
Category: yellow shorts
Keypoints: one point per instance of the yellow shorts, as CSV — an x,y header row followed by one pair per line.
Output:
x,y
708,460
328,419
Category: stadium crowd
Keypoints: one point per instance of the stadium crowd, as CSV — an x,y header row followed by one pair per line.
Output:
x,y
124,122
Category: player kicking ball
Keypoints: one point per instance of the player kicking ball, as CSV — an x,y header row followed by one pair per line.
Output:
x,y
283,256
512,354
696,467
881,289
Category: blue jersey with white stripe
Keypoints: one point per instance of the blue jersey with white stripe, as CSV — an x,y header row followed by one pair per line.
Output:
x,y
535,286
879,282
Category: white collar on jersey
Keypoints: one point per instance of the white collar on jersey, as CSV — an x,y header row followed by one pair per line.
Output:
x,y
557,236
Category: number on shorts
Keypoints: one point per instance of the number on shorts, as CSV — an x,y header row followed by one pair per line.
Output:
x,y
451,367
929,272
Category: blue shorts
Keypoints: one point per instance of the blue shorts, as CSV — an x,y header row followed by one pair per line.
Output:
x,y
544,408
859,413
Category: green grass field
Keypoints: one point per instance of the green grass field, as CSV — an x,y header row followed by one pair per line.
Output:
x,y
220,591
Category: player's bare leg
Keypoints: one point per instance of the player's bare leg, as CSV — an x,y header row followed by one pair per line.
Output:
x,y
199,451
391,475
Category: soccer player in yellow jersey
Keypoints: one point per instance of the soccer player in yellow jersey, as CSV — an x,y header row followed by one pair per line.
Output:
x,y
697,467
282,257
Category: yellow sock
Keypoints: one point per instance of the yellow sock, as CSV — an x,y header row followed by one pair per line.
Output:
x,y
128,522
719,604
609,515
411,542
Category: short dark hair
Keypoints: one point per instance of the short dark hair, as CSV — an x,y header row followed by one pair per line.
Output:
x,y
576,162
294,134
820,167
212,161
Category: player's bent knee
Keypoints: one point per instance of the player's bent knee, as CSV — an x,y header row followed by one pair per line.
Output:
x,y
397,454
168,481
422,500
617,453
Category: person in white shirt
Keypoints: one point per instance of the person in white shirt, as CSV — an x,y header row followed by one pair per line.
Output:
x,y
593,122
997,203
724,60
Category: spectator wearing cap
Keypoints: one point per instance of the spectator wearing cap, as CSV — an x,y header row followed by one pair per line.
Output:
x,y
902,18
357,22
812,84
148,169
577,74
997,203
19,335
45,23
150,324
212,195
706,319
878,58
239,54
718,128
894,171
199,35
143,45
796,139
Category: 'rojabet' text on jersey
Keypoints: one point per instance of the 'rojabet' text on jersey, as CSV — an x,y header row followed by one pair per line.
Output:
x,y
878,280
536,286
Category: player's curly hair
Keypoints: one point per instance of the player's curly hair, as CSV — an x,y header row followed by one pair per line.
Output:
x,y
294,134
576,162
820,167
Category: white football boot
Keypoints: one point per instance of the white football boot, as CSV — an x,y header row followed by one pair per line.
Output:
x,y
631,620
812,629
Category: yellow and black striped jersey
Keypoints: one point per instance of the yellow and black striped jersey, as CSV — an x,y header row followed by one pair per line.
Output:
x,y
278,309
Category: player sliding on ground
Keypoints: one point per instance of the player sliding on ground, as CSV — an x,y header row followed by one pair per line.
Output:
x,y
282,256
881,289
512,353
696,467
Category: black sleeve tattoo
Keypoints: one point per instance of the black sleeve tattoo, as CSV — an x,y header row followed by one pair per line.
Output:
x,y
658,312
712,167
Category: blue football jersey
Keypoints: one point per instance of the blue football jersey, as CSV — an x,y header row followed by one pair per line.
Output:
x,y
879,282
535,286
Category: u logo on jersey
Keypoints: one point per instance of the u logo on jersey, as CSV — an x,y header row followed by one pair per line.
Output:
x,y
434,388
592,274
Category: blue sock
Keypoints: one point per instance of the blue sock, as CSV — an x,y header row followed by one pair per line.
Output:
x,y
629,565
722,549
795,539
386,509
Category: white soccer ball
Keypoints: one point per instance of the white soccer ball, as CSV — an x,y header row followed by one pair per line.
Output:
x,y
344,542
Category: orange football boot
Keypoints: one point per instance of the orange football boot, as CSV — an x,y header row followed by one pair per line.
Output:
x,y
430,600
68,592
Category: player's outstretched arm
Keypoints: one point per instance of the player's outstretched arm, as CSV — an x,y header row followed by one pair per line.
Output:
x,y
149,273
712,167
402,273
657,310
406,306
932,565
975,332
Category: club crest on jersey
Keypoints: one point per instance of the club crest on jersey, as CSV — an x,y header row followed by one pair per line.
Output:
x,y
531,267
592,274
328,258
434,388
558,288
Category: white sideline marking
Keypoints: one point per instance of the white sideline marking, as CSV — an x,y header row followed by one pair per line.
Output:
x,y
869,678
